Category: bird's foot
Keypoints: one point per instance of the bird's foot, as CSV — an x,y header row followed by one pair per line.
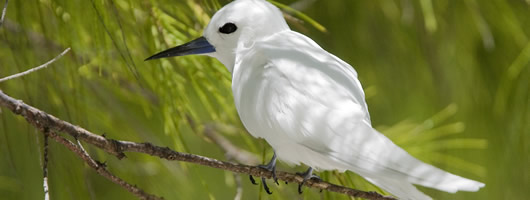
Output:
x,y
306,175
271,166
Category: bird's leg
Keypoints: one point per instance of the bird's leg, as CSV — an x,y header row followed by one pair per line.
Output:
x,y
306,175
271,166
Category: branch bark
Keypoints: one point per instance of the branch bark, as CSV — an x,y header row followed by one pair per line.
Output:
x,y
45,168
42,120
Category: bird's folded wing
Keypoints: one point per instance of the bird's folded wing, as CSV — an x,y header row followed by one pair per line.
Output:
x,y
308,93
289,84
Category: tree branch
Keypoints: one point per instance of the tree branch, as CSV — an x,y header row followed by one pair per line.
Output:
x,y
40,119
3,13
45,168
35,68
100,168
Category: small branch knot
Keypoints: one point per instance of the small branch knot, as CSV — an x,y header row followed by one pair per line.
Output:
x,y
101,164
117,148
18,108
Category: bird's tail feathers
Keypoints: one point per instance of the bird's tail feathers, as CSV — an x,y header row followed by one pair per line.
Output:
x,y
390,162
401,189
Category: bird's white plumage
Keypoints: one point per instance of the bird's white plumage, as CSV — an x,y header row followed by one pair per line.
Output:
x,y
310,106
292,97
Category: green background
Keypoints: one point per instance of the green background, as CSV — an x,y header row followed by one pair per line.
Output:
x,y
446,80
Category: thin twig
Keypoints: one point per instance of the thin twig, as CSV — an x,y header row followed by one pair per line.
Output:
x,y
239,187
231,151
45,168
35,68
3,13
40,119
100,168
237,180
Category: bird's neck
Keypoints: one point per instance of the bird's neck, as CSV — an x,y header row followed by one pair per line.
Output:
x,y
228,60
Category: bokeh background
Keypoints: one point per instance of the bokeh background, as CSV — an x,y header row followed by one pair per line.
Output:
x,y
449,81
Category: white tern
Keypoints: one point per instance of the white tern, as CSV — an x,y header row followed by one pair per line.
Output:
x,y
307,103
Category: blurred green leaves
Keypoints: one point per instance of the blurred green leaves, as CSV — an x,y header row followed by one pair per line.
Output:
x,y
446,80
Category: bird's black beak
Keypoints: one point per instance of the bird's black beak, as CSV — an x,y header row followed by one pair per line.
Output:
x,y
197,46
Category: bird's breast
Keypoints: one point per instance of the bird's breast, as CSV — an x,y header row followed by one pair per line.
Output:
x,y
253,96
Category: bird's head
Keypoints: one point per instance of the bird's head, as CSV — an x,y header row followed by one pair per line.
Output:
x,y
237,25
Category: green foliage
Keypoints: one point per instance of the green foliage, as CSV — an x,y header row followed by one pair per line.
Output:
x,y
446,80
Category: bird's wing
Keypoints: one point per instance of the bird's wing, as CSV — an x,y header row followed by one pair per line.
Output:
x,y
302,61
295,86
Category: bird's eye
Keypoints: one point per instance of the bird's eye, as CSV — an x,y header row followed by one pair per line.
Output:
x,y
228,28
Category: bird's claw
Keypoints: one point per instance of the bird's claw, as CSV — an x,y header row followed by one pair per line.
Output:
x,y
252,180
271,166
265,186
306,175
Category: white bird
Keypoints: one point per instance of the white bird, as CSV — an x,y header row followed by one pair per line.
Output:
x,y
307,103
